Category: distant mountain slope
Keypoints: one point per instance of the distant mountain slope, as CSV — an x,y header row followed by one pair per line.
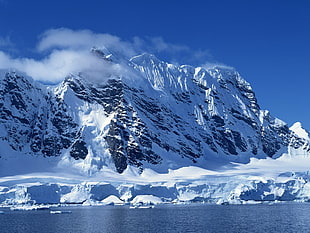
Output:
x,y
151,114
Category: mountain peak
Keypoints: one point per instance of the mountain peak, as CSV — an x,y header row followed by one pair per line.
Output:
x,y
145,58
103,53
298,129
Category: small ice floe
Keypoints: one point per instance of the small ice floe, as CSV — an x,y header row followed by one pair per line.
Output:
x,y
1,212
141,206
29,207
60,212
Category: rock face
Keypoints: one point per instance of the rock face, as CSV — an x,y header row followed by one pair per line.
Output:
x,y
32,120
153,115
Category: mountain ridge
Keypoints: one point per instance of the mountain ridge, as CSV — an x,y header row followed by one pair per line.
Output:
x,y
144,113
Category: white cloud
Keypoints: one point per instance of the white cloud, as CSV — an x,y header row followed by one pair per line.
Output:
x,y
60,63
210,65
64,38
68,51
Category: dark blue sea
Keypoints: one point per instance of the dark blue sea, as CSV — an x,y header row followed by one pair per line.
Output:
x,y
284,218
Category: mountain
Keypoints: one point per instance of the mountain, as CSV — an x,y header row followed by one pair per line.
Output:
x,y
141,112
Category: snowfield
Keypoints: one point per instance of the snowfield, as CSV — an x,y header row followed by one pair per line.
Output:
x,y
264,180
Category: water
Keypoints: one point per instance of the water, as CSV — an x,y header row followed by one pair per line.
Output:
x,y
293,217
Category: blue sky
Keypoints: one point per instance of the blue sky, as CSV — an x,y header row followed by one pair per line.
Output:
x,y
268,42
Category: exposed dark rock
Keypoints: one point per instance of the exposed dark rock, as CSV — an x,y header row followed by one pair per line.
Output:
x,y
239,141
116,146
219,122
224,140
79,150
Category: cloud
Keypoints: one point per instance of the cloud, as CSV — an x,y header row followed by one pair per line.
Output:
x,y
211,65
67,51
64,38
61,63
175,53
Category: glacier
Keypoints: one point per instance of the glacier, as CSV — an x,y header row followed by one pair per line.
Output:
x,y
260,181
144,130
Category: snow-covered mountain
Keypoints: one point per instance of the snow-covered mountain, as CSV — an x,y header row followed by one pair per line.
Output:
x,y
143,130
142,113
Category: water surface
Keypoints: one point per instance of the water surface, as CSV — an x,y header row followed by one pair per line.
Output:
x,y
291,217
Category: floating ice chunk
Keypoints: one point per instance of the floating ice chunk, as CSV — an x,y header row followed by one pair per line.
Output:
x,y
112,200
29,207
60,212
146,200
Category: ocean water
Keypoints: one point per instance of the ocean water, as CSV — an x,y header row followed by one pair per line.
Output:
x,y
290,217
